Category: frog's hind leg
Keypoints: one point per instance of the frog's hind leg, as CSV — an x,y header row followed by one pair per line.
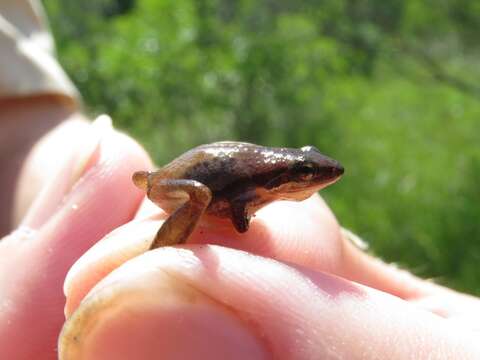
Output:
x,y
180,224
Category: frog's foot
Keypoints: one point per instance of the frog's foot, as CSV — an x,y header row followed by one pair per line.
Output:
x,y
178,227
140,179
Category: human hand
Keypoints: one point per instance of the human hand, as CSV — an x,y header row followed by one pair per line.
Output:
x,y
292,287
91,195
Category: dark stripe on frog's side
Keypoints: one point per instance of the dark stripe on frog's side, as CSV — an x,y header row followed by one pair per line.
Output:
x,y
249,165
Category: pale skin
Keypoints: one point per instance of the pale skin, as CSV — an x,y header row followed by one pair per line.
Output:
x,y
290,287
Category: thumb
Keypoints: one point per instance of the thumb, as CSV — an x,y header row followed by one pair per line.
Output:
x,y
61,225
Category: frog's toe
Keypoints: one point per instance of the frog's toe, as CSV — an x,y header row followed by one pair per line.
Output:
x,y
140,179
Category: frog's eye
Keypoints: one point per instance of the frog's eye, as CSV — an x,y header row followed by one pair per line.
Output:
x,y
305,172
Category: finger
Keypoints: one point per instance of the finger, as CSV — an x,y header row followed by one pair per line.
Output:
x,y
116,248
101,200
46,157
80,151
214,302
278,231
359,266
147,209
304,233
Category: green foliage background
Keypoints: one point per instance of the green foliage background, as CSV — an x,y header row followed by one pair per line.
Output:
x,y
390,88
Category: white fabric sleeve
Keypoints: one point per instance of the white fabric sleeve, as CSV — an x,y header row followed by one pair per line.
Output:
x,y
28,66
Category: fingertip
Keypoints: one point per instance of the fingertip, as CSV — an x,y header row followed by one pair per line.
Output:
x,y
153,315
124,243
90,145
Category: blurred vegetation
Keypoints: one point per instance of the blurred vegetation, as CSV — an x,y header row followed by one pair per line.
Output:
x,y
390,88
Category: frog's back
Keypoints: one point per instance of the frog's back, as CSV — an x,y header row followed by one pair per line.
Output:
x,y
226,164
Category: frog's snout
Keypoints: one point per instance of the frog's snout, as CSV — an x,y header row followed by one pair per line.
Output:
x,y
140,179
338,169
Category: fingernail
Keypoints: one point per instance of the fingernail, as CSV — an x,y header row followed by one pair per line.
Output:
x,y
168,320
354,239
89,148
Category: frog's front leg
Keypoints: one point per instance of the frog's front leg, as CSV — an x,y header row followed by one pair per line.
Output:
x,y
192,197
239,208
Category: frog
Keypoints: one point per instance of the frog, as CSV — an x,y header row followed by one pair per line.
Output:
x,y
231,180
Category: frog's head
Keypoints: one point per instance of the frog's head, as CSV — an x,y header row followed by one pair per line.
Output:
x,y
307,173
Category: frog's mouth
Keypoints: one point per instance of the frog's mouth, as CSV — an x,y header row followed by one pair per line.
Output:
x,y
295,192
302,190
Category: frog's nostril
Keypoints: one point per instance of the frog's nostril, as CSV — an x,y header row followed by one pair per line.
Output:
x,y
140,179
335,170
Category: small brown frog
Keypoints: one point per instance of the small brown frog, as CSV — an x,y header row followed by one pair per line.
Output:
x,y
231,180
